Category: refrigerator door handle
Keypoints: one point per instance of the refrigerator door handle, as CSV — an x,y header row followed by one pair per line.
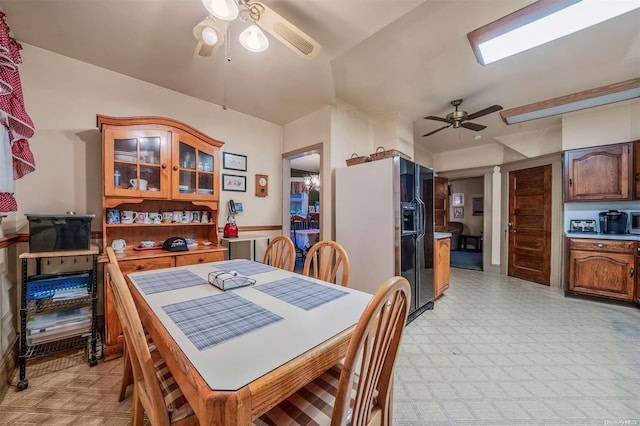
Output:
x,y
423,218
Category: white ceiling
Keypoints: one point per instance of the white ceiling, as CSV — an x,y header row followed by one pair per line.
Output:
x,y
383,56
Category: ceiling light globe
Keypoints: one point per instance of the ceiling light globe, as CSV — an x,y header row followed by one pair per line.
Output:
x,y
226,10
253,39
209,36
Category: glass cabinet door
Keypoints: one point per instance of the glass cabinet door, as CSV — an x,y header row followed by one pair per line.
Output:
x,y
136,164
196,164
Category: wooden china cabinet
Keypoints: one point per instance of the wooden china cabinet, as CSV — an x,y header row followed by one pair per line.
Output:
x,y
156,165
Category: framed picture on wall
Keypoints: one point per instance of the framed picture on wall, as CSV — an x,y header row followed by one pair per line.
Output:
x,y
457,199
234,183
458,212
234,161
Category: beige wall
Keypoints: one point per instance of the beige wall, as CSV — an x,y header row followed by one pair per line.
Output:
x,y
63,96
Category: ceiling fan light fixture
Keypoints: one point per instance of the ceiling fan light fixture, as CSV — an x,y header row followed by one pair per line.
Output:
x,y
226,10
253,39
210,37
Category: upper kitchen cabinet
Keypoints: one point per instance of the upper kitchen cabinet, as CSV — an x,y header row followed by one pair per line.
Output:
x,y
158,158
599,173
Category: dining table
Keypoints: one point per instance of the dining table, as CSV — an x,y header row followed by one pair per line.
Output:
x,y
305,238
236,353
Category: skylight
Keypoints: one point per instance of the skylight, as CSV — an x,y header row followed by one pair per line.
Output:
x,y
540,23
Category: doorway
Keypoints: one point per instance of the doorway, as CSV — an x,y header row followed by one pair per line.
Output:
x,y
302,200
465,222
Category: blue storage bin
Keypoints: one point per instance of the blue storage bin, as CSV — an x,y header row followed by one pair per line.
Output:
x,y
42,289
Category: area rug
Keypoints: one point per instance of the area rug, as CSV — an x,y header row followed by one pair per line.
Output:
x,y
466,259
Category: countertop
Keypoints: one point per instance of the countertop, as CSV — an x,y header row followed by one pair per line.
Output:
x,y
628,237
438,235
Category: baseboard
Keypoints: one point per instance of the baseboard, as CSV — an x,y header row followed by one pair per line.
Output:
x,y
8,366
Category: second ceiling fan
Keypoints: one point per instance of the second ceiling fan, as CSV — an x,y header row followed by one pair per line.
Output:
x,y
459,119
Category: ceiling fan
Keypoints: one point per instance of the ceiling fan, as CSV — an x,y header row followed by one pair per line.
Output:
x,y
210,32
459,119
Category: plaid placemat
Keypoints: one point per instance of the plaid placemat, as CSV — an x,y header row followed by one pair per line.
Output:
x,y
300,292
215,319
167,280
245,267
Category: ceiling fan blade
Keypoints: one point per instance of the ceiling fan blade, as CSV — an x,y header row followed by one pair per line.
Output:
x,y
473,126
290,35
435,131
433,117
485,111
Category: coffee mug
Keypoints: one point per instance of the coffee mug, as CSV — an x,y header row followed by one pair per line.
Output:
x,y
139,217
177,216
140,184
167,217
205,217
113,216
187,216
118,245
155,217
128,216
195,216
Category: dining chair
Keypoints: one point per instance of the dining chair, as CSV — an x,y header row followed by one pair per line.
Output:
x,y
299,222
359,391
155,391
111,255
323,261
281,253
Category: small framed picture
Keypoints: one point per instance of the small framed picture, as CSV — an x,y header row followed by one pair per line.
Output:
x,y
234,161
457,199
458,212
234,183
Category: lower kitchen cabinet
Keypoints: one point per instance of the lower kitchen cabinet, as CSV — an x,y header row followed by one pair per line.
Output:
x,y
441,261
603,268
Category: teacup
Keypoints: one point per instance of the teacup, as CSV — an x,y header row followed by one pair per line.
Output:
x,y
140,184
147,243
118,245
128,216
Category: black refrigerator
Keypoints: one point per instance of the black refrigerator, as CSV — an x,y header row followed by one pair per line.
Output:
x,y
384,220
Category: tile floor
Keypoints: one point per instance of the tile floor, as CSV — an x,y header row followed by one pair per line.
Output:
x,y
501,351
494,351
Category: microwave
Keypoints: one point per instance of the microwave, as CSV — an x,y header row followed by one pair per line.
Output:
x,y
634,222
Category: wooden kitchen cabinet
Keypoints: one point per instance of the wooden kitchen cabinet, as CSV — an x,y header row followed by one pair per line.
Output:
x,y
156,165
440,204
599,173
603,268
441,261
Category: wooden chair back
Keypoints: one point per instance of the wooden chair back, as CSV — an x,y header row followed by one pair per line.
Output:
x,y
281,253
371,357
325,260
111,255
147,393
299,222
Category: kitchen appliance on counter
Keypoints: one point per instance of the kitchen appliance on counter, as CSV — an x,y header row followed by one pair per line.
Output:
x,y
613,222
583,225
387,205
634,222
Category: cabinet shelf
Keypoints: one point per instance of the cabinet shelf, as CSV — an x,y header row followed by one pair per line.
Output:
x,y
162,225
67,344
